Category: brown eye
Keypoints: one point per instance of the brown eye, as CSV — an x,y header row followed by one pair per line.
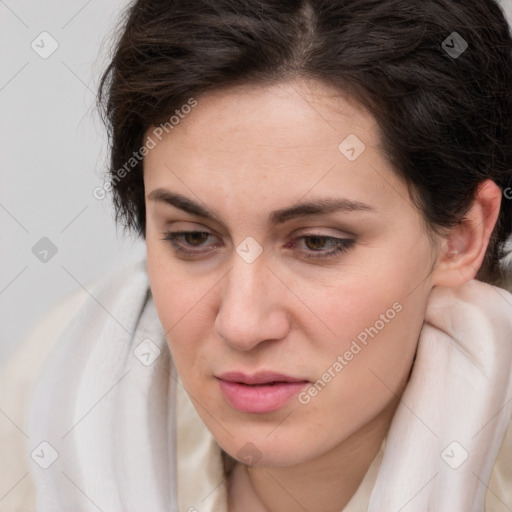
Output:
x,y
195,238
317,244
188,243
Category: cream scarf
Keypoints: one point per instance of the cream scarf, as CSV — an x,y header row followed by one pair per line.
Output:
x,y
112,429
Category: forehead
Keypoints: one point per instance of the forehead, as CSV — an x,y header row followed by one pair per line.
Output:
x,y
280,140
292,115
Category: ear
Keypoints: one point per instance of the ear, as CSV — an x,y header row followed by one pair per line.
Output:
x,y
463,249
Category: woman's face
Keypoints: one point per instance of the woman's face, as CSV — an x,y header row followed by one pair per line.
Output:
x,y
310,265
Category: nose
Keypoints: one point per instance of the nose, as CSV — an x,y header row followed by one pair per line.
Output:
x,y
252,306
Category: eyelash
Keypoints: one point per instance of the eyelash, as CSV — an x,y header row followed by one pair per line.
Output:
x,y
342,244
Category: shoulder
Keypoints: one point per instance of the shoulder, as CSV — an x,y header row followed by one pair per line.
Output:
x,y
17,378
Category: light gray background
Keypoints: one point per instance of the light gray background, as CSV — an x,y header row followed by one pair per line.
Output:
x,y
53,153
53,149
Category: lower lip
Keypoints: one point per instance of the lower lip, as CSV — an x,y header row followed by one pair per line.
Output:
x,y
263,398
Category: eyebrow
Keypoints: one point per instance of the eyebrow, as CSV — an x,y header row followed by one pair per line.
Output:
x,y
299,210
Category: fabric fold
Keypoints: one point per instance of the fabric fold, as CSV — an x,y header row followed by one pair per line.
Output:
x,y
448,428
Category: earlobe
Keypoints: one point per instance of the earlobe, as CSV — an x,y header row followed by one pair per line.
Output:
x,y
464,247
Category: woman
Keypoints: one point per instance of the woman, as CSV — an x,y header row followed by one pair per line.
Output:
x,y
322,321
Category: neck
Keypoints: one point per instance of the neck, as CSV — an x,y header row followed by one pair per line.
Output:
x,y
324,484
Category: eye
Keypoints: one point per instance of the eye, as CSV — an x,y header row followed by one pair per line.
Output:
x,y
191,239
184,242
316,241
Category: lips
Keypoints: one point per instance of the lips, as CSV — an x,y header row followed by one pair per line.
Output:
x,y
261,392
258,378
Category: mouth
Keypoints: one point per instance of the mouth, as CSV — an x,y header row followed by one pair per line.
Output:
x,y
259,393
260,378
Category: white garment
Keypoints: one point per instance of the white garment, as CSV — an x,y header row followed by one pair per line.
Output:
x,y
128,437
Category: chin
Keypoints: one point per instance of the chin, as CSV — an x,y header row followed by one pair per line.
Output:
x,y
262,445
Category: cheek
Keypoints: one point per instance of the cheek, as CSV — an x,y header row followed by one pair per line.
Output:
x,y
357,380
175,291
180,299
376,323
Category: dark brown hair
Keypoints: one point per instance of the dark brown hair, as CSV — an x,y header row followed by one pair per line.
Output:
x,y
445,117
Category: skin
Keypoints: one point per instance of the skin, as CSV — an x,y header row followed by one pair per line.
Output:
x,y
243,152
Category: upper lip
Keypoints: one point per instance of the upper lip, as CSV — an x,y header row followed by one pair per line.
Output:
x,y
258,378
